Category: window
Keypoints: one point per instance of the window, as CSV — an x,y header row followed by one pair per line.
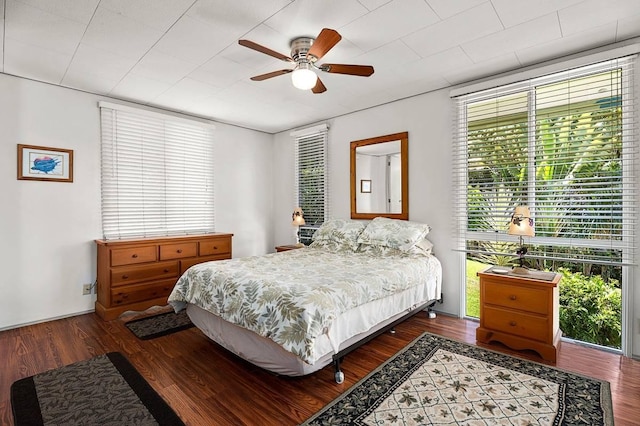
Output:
x,y
311,178
563,145
157,174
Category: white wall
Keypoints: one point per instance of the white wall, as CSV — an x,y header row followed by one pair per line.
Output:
x,y
428,120
47,228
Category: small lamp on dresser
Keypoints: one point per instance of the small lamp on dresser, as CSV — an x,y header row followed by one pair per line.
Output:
x,y
521,224
297,220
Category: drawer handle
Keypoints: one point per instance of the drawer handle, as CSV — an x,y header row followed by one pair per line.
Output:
x,y
179,250
166,270
513,297
513,323
215,247
124,277
134,255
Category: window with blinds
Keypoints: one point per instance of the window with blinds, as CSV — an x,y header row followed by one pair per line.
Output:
x,y
565,145
157,174
311,178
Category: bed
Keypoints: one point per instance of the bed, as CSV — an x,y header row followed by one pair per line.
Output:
x,y
295,312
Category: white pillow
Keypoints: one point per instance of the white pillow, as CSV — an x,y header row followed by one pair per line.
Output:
x,y
338,233
399,234
425,246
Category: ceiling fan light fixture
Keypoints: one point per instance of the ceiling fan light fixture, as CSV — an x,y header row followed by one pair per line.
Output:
x,y
305,52
304,78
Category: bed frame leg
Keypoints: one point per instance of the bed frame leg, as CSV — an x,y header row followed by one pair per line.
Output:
x,y
337,358
338,375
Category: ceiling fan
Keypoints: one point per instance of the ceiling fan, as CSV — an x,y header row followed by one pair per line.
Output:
x,y
305,52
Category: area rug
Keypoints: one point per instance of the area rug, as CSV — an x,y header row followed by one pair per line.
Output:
x,y
159,325
105,390
437,381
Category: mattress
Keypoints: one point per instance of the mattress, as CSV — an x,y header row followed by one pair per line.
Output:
x,y
377,291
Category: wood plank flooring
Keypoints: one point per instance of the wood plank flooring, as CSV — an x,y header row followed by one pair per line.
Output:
x,y
206,385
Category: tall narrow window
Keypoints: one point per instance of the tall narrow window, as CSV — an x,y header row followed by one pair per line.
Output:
x,y
563,145
311,178
157,174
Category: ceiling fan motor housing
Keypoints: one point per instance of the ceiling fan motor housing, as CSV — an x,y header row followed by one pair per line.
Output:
x,y
300,47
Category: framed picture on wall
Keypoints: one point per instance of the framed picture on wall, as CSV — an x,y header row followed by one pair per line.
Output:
x,y
365,185
43,163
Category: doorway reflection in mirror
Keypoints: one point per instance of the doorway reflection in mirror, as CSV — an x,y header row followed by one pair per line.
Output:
x,y
378,170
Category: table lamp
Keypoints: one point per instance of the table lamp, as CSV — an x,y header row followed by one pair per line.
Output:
x,y
521,224
297,219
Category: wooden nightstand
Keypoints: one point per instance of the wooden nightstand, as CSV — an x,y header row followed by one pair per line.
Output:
x,y
521,311
287,247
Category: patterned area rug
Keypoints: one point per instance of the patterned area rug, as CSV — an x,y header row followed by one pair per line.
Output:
x,y
437,381
105,390
159,325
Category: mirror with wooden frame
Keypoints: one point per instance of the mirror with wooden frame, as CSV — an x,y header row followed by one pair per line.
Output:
x,y
380,177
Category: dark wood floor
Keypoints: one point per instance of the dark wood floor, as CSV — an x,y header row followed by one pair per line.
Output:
x,y
206,385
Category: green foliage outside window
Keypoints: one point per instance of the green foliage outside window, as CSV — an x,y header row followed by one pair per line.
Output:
x,y
590,309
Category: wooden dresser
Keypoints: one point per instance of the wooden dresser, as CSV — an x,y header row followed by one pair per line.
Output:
x,y
134,275
521,311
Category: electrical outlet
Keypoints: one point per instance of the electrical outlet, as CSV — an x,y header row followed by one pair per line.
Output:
x,y
86,289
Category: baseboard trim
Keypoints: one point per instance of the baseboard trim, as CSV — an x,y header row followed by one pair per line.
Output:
x,y
24,324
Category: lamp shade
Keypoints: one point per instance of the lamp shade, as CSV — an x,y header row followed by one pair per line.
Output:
x,y
297,217
303,77
521,222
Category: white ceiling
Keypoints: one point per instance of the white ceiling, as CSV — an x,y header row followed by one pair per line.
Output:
x,y
183,55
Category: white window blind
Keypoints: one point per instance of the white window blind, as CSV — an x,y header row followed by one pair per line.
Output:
x,y
312,178
566,146
157,174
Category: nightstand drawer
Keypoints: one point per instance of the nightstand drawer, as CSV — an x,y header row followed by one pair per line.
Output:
x,y
288,247
516,323
516,297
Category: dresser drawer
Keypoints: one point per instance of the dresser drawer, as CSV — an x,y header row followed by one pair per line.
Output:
x,y
133,255
517,297
134,293
153,271
215,246
178,251
517,323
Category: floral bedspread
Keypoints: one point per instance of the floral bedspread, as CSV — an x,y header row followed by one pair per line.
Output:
x,y
292,297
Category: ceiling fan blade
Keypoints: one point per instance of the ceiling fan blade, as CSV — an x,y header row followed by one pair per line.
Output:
x,y
270,75
360,70
325,41
265,50
319,87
